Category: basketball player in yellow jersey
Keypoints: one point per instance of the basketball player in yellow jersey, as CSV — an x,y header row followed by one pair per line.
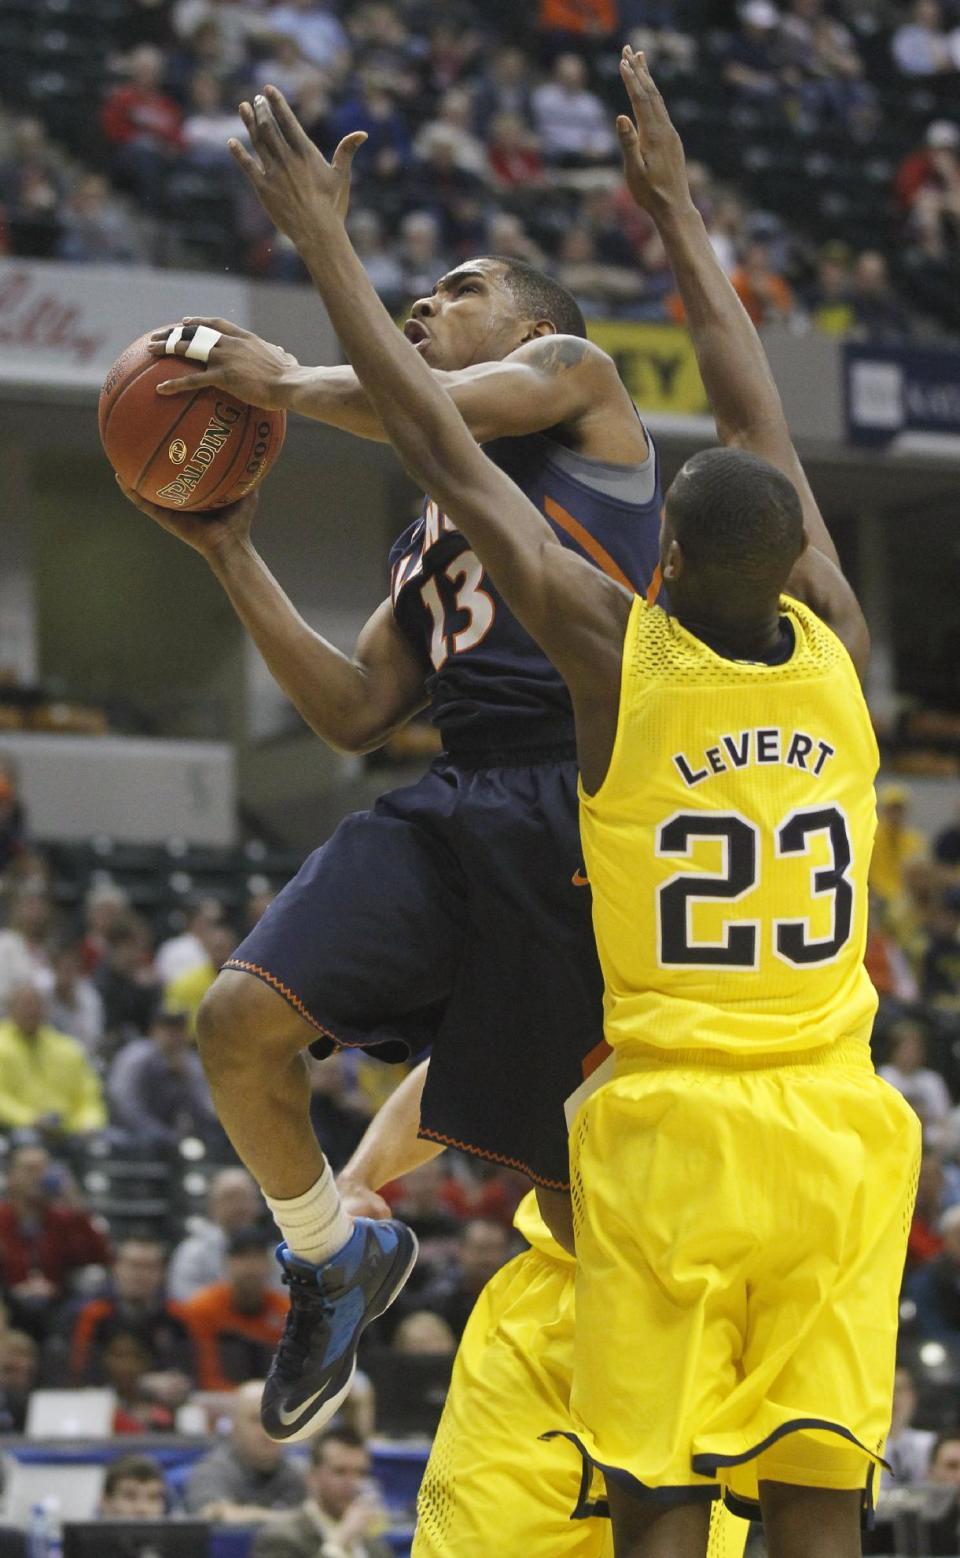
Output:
x,y
742,1185
493,1483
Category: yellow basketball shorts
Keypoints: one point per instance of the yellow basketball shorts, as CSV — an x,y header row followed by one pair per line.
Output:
x,y
741,1233
492,1485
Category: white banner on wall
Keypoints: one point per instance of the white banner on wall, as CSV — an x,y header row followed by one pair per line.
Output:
x,y
65,324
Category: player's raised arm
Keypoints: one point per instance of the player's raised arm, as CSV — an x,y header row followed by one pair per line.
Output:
x,y
547,380
575,612
733,365
353,702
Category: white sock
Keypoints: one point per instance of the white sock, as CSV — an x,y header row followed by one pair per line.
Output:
x,y
314,1225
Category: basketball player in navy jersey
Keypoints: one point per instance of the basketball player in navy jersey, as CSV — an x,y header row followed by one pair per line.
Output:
x,y
455,913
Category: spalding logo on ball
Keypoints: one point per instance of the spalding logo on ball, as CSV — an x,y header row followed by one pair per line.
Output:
x,y
193,452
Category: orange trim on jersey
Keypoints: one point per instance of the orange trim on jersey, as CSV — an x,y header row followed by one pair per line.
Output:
x,y
286,992
590,544
596,1058
653,588
493,1157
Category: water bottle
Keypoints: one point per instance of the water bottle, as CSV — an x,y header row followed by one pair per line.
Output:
x,y
44,1531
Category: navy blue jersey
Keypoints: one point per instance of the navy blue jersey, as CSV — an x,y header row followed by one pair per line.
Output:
x,y
491,687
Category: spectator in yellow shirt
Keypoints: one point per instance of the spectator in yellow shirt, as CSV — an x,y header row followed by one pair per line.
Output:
x,y
45,1077
186,991
896,844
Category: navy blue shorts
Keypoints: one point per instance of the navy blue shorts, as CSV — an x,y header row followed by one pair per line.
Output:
x,y
454,916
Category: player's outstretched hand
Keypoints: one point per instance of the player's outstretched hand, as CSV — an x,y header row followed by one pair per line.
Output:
x,y
360,1201
207,532
294,182
252,369
653,160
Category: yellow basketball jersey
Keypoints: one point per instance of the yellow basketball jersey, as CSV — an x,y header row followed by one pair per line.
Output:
x,y
729,844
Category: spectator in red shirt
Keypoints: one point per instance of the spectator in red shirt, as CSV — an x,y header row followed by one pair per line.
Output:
x,y
142,124
43,1239
237,1323
925,1239
764,294
513,153
936,165
135,1306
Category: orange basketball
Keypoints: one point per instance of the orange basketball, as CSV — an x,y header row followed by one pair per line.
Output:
x,y
196,451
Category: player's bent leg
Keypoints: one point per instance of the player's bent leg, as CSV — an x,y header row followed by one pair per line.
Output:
x,y
251,1042
649,1528
341,1275
810,1522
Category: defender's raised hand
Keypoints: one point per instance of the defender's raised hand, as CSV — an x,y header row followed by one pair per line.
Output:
x,y
653,160
294,182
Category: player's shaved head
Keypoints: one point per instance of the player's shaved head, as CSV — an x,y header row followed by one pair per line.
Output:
x,y
539,297
738,524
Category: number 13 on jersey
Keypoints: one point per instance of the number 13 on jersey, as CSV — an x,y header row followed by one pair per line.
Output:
x,y
467,599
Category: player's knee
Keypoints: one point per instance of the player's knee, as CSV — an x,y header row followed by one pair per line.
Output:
x,y
242,1023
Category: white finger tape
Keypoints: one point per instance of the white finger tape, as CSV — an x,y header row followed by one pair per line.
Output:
x,y
172,340
204,340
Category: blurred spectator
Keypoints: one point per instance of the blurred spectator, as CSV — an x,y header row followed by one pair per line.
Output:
x,y
922,1087
878,315
421,259
922,46
205,52
452,127
908,1449
724,219
574,127
125,984
134,1488
945,1466
237,25
578,20
828,299
925,1240
44,1240
822,53
507,236
96,229
935,166
423,1331
338,1109
46,1079
513,154
287,69
24,945
135,1306
367,235
245,1480
895,843
182,954
32,186
374,111
419,1198
19,1373
885,960
157,1089
940,976
261,898
765,295
483,1248
234,1204
75,1004
598,287
946,845
316,29
381,38
186,992
935,1286
341,1512
752,66
451,47
104,906
142,125
237,1323
13,815
504,88
209,124
126,1369
600,212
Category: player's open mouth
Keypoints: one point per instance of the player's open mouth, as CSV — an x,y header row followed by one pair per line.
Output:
x,y
416,333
